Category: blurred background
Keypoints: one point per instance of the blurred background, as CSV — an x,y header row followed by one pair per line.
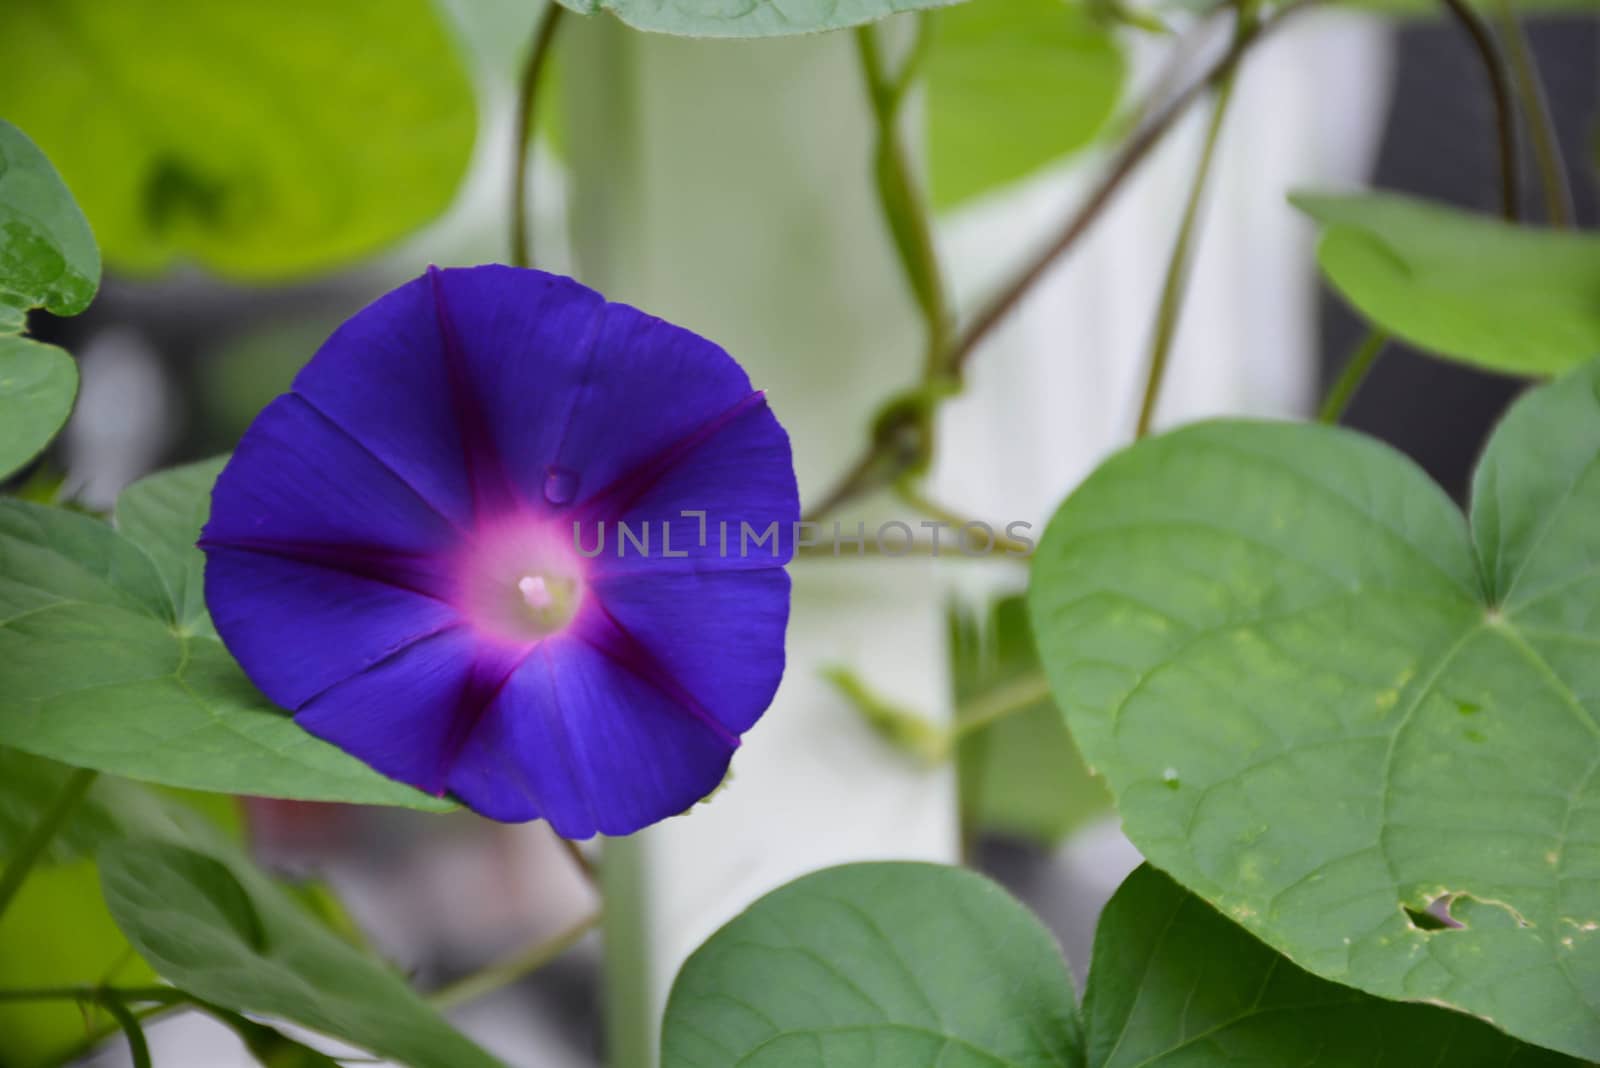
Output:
x,y
727,186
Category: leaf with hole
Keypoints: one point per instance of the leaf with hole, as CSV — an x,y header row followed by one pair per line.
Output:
x,y
1516,299
102,670
1325,703
1048,67
918,964
1173,983
264,140
876,964
48,257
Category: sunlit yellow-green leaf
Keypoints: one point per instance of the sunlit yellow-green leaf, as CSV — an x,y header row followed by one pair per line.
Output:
x,y
1014,85
263,138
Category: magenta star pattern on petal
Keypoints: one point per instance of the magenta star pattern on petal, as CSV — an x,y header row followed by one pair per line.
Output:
x,y
419,551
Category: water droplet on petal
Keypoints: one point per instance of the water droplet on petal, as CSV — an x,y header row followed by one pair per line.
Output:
x,y
560,485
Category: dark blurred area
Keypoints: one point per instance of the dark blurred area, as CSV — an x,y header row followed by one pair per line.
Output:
x,y
1440,143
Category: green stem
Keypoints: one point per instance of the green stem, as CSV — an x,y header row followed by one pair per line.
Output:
x,y
913,62
997,704
526,122
875,466
920,547
511,970
1170,307
114,1000
584,865
161,995
39,838
1505,116
94,1033
921,737
1350,378
138,1048
905,209
1541,126
1127,161
933,510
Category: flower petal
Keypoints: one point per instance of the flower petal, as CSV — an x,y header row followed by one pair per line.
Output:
x,y
299,628
298,479
589,746
651,385
472,398
390,379
404,715
717,635
741,477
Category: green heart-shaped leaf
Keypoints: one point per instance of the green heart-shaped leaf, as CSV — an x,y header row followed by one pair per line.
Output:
x,y
48,257
871,965
1517,299
1175,985
1328,707
217,928
38,384
162,514
102,669
262,139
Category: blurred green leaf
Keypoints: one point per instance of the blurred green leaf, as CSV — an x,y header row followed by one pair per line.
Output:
x,y
28,784
1012,86
38,385
58,932
1516,299
272,1048
1022,775
48,258
244,375
1326,705
100,672
871,965
906,730
265,140
214,926
320,900
746,18
1173,983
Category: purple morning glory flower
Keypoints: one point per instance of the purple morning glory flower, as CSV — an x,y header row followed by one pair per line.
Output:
x,y
403,550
